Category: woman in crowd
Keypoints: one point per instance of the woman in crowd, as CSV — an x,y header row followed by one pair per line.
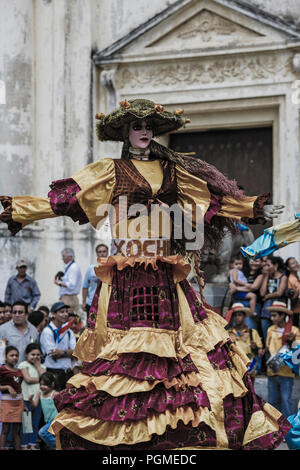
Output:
x,y
292,271
12,404
253,272
273,287
32,370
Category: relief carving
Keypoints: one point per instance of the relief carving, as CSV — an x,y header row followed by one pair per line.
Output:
x,y
262,67
206,25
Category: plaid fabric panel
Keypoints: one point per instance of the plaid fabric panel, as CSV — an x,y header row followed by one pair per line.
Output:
x,y
131,183
143,298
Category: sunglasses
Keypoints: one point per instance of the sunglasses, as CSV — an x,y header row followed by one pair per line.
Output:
x,y
20,312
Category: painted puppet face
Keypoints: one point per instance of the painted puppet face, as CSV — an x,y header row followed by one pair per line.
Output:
x,y
140,134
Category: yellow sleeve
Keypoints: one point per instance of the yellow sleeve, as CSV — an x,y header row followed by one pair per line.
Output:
x,y
97,182
191,191
80,197
20,211
27,209
233,208
257,339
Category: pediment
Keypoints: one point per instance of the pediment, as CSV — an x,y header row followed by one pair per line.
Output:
x,y
204,28
201,25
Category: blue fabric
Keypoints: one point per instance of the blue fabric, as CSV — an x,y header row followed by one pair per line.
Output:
x,y
292,359
280,394
251,323
47,437
35,419
262,246
90,282
241,227
240,295
293,436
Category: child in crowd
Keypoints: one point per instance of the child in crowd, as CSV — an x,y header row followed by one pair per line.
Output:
x,y
246,338
12,404
45,398
32,370
2,313
238,278
280,383
7,311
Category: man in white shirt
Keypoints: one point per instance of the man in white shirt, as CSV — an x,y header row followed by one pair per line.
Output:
x,y
57,345
70,282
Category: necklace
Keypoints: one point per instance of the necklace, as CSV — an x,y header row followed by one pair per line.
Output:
x,y
139,154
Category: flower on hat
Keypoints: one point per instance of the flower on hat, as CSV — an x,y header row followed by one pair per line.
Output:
x,y
159,108
99,116
124,104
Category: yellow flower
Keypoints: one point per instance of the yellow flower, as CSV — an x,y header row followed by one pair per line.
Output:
x,y
178,112
99,115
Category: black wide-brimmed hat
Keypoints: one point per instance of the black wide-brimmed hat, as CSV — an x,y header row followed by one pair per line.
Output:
x,y
111,126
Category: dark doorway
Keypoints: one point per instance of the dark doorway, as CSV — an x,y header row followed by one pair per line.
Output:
x,y
242,154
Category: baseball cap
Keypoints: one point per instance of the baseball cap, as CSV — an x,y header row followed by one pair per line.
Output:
x,y
58,306
20,263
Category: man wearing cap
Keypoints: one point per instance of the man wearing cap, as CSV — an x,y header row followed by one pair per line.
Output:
x,y
19,332
246,338
280,383
58,342
22,287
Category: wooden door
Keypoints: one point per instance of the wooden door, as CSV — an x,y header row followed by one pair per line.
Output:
x,y
242,154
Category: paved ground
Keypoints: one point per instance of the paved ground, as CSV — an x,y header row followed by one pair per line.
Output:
x,y
261,389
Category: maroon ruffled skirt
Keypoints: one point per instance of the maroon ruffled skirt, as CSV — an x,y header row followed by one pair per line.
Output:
x,y
160,372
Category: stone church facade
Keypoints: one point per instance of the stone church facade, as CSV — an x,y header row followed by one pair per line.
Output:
x,y
233,66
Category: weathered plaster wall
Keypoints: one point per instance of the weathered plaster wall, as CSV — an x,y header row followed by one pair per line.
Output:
x,y
46,132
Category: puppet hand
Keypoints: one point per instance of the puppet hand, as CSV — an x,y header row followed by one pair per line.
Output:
x,y
272,211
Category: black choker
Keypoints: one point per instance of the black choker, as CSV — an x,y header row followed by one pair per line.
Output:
x,y
139,154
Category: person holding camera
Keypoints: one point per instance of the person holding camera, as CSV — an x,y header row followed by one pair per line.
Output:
x,y
69,281
292,270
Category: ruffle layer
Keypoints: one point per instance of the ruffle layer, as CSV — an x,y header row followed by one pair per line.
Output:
x,y
156,341
104,270
118,385
141,366
131,432
135,406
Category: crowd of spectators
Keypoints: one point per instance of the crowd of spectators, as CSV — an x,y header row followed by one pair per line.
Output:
x,y
36,350
37,341
263,318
